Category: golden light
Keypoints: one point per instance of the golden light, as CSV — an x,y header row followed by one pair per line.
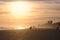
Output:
x,y
21,27
19,8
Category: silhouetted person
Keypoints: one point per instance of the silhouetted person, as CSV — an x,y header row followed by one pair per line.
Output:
x,y
57,27
30,28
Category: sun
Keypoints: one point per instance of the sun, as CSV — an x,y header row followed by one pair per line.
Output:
x,y
18,8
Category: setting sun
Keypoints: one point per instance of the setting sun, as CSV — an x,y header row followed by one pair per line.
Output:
x,y
19,8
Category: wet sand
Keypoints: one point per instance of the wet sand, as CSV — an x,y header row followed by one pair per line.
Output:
x,y
34,34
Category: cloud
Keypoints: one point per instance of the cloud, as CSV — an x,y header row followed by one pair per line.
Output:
x,y
56,7
29,0
3,12
46,1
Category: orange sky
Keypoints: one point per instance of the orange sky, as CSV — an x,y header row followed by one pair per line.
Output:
x,y
33,13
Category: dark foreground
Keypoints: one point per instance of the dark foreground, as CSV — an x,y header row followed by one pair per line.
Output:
x,y
36,34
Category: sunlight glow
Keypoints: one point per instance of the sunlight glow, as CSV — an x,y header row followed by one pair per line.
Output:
x,y
19,8
21,28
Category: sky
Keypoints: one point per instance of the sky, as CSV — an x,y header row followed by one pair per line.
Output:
x,y
31,0
45,8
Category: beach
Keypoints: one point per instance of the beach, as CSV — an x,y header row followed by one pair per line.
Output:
x,y
27,34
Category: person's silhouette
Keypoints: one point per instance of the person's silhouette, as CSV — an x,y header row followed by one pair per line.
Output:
x,y
57,27
30,28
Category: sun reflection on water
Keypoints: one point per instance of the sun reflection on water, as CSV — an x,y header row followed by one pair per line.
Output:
x,y
20,27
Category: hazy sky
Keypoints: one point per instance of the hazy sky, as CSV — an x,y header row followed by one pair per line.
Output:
x,y
43,8
30,0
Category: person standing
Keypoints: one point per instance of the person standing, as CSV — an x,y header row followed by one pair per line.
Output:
x,y
30,28
57,27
